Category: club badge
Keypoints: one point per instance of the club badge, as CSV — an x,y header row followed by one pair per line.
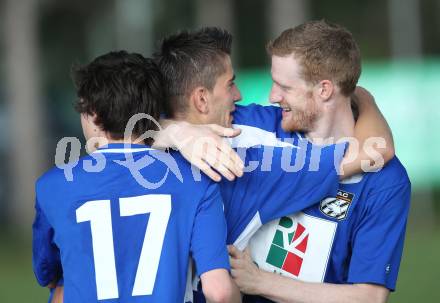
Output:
x,y
337,207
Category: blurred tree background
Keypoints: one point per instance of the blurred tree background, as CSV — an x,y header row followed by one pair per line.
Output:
x,y
41,39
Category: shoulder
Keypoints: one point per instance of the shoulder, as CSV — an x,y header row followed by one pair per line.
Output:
x,y
183,170
255,114
386,187
60,179
258,109
391,175
54,177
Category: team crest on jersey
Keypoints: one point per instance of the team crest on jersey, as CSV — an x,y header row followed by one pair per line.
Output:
x,y
337,207
288,246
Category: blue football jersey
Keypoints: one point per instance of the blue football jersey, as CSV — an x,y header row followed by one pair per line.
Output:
x,y
354,237
125,225
278,181
280,178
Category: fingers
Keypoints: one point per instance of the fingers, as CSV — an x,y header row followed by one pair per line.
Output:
x,y
206,169
224,131
247,252
220,163
221,157
209,152
234,252
225,164
234,259
208,163
230,159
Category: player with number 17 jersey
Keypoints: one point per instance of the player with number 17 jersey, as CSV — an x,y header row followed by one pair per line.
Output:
x,y
116,239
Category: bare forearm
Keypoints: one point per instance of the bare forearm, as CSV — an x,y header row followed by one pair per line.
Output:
x,y
58,295
236,294
371,122
285,290
375,145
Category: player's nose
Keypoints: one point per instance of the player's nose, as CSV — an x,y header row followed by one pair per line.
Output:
x,y
274,96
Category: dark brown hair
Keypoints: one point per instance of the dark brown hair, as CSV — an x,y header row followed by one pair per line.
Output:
x,y
190,59
116,86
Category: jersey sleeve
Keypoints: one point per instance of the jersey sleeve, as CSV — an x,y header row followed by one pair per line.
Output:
x,y
208,242
298,178
267,118
378,241
45,254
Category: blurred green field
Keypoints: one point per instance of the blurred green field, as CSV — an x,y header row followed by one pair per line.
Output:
x,y
419,275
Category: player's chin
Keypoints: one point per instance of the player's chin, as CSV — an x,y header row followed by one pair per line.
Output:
x,y
288,126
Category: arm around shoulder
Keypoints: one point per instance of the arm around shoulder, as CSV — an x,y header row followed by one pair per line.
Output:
x,y
375,145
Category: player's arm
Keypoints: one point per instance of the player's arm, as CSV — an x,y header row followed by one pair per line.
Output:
x,y
203,146
252,280
371,127
45,254
208,248
297,178
218,286
375,141
58,295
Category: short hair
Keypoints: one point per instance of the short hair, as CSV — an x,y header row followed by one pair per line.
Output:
x,y
116,86
324,50
190,59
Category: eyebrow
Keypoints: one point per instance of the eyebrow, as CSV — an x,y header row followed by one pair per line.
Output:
x,y
281,85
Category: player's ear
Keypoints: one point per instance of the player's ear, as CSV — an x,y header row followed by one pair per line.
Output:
x,y
199,99
324,89
94,116
91,118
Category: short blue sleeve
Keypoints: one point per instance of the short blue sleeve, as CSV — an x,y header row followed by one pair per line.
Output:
x,y
267,118
378,241
208,242
298,178
279,181
45,254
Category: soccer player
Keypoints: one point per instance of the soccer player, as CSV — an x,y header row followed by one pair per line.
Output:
x,y
200,80
110,237
346,248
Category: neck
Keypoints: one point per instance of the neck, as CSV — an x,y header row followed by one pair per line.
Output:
x,y
103,141
129,141
336,121
190,118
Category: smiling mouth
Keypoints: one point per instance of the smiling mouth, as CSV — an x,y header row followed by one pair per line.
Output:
x,y
285,108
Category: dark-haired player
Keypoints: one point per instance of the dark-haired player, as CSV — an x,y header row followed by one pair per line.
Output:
x,y
111,238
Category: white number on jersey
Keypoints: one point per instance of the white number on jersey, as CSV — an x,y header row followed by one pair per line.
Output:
x,y
99,214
